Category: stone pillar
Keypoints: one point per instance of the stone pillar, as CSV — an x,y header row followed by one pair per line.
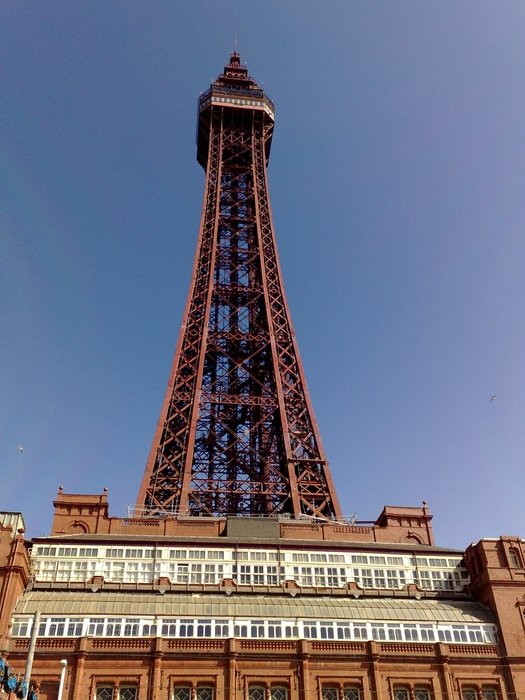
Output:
x,y
304,657
445,677
230,691
374,655
155,673
77,675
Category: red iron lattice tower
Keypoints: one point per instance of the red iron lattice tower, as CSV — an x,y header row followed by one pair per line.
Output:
x,y
237,434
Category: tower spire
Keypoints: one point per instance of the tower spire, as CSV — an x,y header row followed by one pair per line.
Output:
x,y
237,434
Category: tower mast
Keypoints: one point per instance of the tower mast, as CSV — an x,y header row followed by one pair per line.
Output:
x,y
237,433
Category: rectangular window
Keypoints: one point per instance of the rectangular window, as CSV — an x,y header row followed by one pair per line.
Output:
x,y
196,554
336,558
299,557
373,559
258,575
351,693
20,628
318,558
181,692
104,692
272,575
56,627
398,561
256,692
258,556
401,694
468,694
489,694
359,559
178,553
379,576
113,627
96,629
278,692
216,554
64,570
330,692
127,692
182,575
421,694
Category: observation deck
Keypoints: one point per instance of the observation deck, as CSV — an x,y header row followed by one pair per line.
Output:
x,y
236,90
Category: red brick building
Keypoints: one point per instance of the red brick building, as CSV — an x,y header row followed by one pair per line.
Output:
x,y
151,609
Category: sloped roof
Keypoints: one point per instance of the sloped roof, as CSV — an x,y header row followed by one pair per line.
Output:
x,y
251,607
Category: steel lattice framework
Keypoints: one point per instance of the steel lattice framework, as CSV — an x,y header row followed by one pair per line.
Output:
x,y
237,434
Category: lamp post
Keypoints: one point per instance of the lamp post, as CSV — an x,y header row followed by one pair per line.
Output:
x,y
31,652
63,663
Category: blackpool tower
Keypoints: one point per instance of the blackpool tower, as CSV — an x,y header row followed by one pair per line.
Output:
x,y
237,434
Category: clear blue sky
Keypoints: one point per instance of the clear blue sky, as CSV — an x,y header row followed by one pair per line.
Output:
x,y
398,189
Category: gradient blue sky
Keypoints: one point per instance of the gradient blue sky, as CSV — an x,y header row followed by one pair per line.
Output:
x,y
398,189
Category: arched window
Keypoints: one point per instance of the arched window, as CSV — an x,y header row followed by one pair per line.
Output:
x,y
514,558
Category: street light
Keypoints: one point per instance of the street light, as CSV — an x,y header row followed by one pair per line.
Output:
x,y
63,663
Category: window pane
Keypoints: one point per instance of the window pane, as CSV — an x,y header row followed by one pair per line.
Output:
x,y
256,693
128,693
489,694
182,692
104,692
204,693
401,694
351,693
468,694
421,694
329,692
278,693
